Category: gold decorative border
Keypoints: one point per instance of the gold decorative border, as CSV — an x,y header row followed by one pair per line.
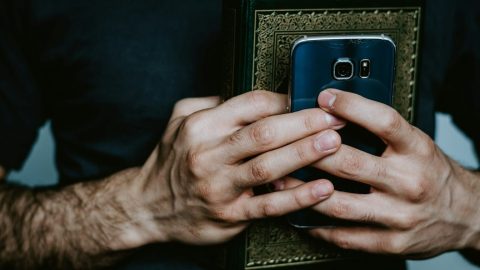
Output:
x,y
272,244
271,51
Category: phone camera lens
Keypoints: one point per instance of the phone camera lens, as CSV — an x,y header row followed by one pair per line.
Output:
x,y
343,69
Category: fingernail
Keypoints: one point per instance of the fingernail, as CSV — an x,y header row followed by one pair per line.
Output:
x,y
326,99
333,121
322,190
326,141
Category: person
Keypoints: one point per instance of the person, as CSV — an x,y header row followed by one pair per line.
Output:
x,y
139,164
424,202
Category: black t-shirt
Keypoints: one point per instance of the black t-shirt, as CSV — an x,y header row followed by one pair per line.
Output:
x,y
452,62
107,74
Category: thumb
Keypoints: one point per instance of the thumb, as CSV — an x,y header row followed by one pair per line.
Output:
x,y
184,108
187,106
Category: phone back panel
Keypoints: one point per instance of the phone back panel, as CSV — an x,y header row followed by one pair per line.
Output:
x,y
313,60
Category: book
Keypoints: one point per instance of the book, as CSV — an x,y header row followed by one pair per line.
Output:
x,y
258,36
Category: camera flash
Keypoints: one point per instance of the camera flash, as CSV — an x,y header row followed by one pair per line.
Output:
x,y
364,68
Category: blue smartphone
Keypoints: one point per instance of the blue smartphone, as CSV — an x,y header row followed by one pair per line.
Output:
x,y
362,64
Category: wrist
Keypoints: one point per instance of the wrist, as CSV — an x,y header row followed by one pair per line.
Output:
x,y
137,200
470,199
475,239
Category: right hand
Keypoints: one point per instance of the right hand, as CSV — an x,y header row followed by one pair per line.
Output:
x,y
197,185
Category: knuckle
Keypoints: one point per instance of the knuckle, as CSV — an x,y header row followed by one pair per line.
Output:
x,y
193,125
192,159
380,170
301,153
269,209
236,138
340,209
425,147
391,124
418,190
311,122
395,245
367,218
224,214
259,171
260,99
204,191
417,195
196,162
298,200
350,165
248,214
341,241
406,222
211,195
262,134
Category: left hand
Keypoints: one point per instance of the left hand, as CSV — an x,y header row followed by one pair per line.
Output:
x,y
421,203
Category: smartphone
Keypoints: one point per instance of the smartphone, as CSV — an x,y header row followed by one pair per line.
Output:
x,y
362,64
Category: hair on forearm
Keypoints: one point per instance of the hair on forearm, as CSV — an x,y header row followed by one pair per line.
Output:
x,y
68,228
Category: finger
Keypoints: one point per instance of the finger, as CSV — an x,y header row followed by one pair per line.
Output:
x,y
378,118
276,131
251,107
283,161
353,164
372,240
286,183
283,202
187,106
362,208
184,108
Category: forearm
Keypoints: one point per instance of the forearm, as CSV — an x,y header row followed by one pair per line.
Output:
x,y
82,226
477,241
473,251
471,182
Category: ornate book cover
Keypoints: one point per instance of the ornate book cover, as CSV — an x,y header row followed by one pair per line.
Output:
x,y
258,35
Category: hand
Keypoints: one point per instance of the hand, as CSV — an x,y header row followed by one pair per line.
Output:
x,y
198,183
422,202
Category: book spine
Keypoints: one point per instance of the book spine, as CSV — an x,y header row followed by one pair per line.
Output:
x,y
234,43
237,35
230,37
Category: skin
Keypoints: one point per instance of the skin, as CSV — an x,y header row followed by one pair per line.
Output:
x,y
195,188
421,202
